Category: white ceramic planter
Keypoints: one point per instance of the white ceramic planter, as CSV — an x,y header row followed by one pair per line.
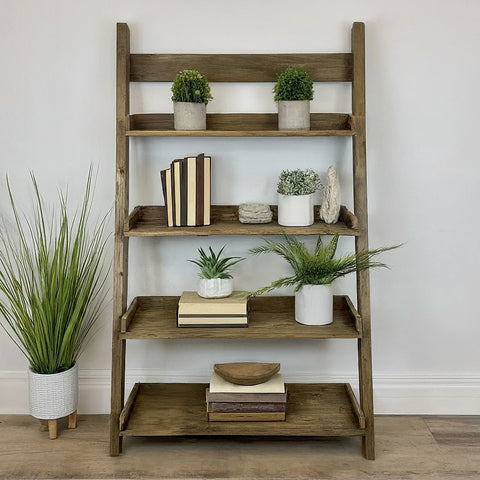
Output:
x,y
53,396
189,116
294,115
314,305
215,287
295,210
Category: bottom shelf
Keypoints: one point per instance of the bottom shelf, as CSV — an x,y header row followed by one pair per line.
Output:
x,y
171,409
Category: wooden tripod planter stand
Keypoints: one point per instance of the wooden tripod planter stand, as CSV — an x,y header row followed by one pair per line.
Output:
x,y
322,409
52,425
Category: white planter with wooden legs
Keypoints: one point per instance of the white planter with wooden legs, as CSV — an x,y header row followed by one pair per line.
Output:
x,y
54,396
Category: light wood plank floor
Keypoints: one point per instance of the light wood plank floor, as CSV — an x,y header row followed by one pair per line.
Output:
x,y
408,447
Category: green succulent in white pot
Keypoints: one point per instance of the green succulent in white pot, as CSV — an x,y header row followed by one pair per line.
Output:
x,y
216,280
313,274
52,279
295,190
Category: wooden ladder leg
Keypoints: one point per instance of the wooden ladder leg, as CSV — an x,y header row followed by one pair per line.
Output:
x,y
72,420
52,429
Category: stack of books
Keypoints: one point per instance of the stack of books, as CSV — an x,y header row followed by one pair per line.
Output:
x,y
264,402
186,189
196,311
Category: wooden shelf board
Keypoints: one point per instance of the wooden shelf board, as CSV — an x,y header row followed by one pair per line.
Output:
x,y
151,221
240,125
270,317
164,409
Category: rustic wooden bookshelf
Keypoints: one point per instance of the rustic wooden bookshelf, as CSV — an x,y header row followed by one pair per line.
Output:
x,y
165,409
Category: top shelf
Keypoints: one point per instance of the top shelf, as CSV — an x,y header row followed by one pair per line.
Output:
x,y
240,125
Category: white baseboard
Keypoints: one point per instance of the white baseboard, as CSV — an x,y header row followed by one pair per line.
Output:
x,y
393,394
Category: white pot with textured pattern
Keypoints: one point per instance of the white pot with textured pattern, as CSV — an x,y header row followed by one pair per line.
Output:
x,y
215,287
53,395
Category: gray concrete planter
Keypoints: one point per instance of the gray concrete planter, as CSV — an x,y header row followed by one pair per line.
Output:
x,y
189,116
294,115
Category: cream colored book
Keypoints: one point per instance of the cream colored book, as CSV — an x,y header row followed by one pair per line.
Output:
x,y
191,303
274,385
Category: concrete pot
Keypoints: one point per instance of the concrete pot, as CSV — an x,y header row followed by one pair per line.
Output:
x,y
53,395
314,305
294,115
295,210
215,287
189,116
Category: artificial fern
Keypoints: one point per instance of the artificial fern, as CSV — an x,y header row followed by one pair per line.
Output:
x,y
317,268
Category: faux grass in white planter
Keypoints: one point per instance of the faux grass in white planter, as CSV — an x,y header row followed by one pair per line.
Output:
x,y
191,93
52,278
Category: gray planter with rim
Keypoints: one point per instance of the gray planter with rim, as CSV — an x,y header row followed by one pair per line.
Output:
x,y
189,116
294,115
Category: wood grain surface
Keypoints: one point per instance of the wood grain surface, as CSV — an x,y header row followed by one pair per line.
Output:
x,y
270,317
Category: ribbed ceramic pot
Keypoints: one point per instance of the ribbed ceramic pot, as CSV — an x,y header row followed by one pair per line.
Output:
x,y
189,116
294,115
54,395
314,305
215,287
295,210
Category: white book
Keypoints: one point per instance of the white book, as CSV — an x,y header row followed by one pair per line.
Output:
x,y
220,385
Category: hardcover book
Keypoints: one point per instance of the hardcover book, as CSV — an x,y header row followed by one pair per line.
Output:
x,y
274,385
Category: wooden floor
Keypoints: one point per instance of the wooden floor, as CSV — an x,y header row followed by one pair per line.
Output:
x,y
408,447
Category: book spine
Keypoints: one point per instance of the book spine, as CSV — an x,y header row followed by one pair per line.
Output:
x,y
169,199
245,407
200,189
246,417
183,192
176,192
207,189
246,397
191,191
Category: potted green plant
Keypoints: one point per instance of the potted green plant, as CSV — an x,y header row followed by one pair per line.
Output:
x,y
215,277
295,196
293,92
313,274
52,277
191,93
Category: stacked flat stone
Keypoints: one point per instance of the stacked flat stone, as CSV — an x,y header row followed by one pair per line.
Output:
x,y
254,213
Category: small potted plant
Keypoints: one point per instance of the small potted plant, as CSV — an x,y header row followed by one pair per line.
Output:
x,y
215,278
295,197
52,279
191,93
293,92
313,274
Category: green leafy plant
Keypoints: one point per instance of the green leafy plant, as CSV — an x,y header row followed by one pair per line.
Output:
x,y
316,268
213,266
298,182
191,86
293,84
52,277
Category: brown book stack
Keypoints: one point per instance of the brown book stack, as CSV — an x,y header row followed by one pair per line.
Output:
x,y
229,402
196,311
186,187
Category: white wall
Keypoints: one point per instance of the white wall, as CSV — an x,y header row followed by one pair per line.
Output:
x,y
57,97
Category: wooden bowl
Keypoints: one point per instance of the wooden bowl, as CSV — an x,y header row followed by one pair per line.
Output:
x,y
246,373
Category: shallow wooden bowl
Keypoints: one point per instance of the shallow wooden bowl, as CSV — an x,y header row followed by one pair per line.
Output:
x,y
246,373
